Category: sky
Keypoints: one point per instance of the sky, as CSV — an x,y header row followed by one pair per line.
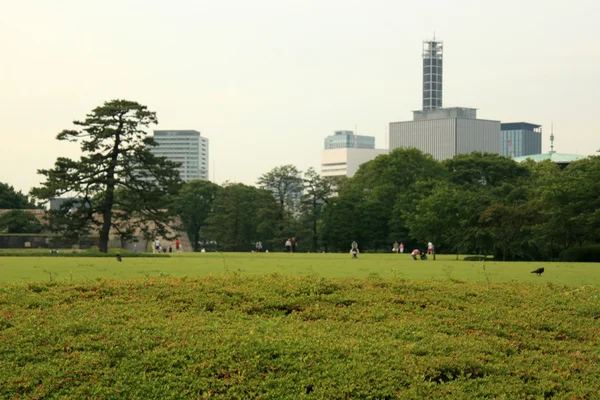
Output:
x,y
267,80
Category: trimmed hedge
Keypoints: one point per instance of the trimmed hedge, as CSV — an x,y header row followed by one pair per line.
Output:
x,y
581,254
86,253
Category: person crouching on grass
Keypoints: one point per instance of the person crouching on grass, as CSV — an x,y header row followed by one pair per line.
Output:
x,y
415,253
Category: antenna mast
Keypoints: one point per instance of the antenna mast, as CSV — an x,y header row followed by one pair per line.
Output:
x,y
552,137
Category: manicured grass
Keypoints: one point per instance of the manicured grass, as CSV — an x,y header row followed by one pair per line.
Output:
x,y
27,269
242,336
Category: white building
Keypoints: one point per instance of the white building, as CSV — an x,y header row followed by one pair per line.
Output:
x,y
186,147
345,162
446,132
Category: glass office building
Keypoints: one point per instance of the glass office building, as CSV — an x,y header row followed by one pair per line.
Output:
x,y
348,140
519,139
187,147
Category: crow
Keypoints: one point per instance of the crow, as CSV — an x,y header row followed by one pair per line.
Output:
x,y
538,271
118,257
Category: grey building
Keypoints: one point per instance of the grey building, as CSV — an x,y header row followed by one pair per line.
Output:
x,y
519,139
187,147
348,140
433,66
446,132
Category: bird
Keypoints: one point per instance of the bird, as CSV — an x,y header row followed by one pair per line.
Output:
x,y
538,271
118,257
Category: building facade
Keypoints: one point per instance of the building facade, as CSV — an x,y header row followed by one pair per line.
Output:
x,y
446,132
433,67
519,139
345,161
347,139
187,147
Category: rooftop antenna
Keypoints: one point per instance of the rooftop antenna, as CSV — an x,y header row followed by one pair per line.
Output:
x,y
551,137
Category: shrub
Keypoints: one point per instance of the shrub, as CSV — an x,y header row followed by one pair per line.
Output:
x,y
581,254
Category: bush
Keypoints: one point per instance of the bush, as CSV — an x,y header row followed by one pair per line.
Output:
x,y
86,253
581,254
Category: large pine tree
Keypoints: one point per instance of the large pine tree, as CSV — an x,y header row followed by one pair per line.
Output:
x,y
117,183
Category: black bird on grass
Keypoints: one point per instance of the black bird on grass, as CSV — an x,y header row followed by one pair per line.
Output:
x,y
119,258
538,271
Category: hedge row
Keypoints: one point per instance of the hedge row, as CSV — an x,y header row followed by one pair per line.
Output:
x,y
581,254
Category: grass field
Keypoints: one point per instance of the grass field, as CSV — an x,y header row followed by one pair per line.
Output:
x,y
19,269
287,326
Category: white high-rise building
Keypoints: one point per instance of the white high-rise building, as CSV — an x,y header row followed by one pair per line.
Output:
x,y
186,147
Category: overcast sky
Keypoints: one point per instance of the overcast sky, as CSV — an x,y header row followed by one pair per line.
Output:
x,y
266,80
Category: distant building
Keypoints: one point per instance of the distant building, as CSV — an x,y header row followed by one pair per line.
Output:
x,y
443,132
561,159
347,139
187,147
345,161
446,132
433,68
57,203
520,139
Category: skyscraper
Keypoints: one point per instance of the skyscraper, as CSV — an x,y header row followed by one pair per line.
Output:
x,y
432,74
443,132
186,147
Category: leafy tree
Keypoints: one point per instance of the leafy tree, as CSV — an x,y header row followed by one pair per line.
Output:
x,y
438,216
483,169
241,216
317,191
389,182
19,221
193,204
11,199
343,219
116,156
285,183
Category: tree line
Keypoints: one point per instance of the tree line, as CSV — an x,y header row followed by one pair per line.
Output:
x,y
471,204
475,203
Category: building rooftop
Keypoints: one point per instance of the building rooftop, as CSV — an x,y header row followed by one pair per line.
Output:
x,y
514,126
558,158
447,112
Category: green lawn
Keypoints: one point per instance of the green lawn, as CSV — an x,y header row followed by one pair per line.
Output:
x,y
279,326
27,269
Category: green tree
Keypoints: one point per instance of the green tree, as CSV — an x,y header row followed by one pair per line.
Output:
x,y
285,183
483,169
241,216
115,155
317,191
11,199
19,221
193,204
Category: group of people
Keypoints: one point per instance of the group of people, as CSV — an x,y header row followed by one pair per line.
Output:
x,y
290,245
397,248
420,253
159,249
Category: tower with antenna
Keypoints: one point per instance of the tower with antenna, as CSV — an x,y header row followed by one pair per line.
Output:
x,y
552,138
432,73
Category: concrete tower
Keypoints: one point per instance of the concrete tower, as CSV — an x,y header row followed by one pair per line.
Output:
x,y
432,74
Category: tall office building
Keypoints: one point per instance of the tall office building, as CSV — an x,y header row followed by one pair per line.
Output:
x,y
433,67
347,140
446,132
443,132
186,147
519,139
